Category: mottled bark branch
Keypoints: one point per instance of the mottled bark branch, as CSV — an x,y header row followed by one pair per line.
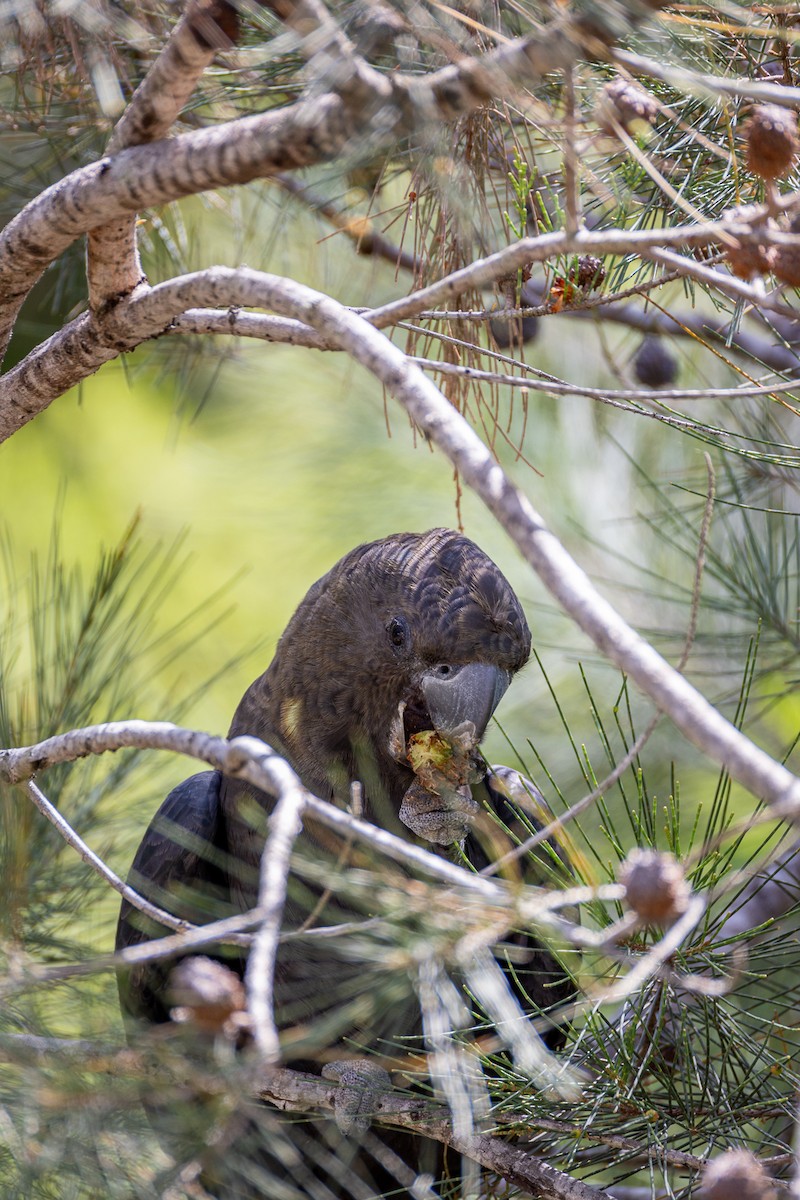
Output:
x,y
142,176
289,1090
286,1089
206,27
113,267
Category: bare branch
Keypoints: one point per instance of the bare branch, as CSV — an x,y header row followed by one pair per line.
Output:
x,y
290,1090
113,266
96,863
712,85
87,343
245,758
647,242
285,824
237,323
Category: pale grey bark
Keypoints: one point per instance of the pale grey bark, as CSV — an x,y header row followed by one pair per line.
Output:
x,y
73,839
285,826
113,266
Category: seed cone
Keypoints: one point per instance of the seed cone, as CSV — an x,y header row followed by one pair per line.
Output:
x,y
655,886
654,365
737,1175
771,140
625,103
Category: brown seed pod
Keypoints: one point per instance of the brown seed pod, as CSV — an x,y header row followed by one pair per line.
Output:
x,y
655,887
590,272
749,259
786,258
653,364
207,994
625,103
771,140
736,1175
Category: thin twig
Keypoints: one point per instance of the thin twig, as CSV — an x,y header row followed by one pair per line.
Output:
x,y
538,380
360,230
96,863
686,80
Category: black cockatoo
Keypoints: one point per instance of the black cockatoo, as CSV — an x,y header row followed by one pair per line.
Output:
x,y
406,635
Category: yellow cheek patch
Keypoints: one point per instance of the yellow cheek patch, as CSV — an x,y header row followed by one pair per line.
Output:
x,y
291,712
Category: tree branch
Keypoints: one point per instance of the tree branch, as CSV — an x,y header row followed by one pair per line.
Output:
x,y
316,129
285,825
246,758
363,107
113,267
96,863
289,1090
